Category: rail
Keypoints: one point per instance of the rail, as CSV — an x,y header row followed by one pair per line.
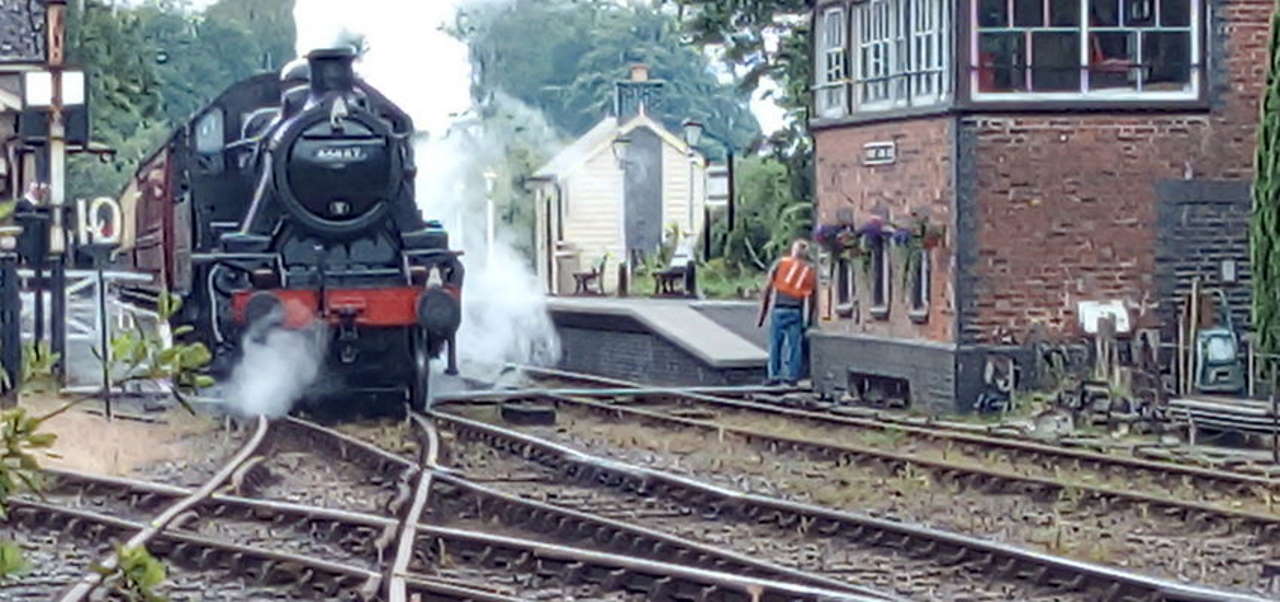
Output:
x,y
93,580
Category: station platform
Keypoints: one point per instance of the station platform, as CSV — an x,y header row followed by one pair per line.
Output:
x,y
679,342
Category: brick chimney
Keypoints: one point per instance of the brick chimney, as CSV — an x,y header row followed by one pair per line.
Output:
x,y
636,93
639,72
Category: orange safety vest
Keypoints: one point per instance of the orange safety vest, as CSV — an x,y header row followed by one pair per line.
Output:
x,y
795,277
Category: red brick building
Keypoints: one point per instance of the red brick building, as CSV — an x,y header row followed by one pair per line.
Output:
x,y
1072,151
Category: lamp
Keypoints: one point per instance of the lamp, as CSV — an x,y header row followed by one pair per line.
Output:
x,y
621,144
490,180
37,89
692,132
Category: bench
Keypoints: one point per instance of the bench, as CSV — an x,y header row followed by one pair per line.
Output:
x,y
680,269
584,280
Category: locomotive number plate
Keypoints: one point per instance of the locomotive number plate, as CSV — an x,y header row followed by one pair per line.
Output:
x,y
341,154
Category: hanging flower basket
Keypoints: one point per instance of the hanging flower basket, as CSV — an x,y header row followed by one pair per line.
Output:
x,y
933,237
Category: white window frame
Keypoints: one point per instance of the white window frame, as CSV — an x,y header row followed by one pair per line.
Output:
x,y
899,46
846,296
880,307
1196,66
831,94
920,287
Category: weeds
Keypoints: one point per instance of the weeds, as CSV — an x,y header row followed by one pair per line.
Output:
x,y
136,575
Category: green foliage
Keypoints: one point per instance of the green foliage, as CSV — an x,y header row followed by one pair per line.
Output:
x,y
37,366
769,216
136,575
743,27
719,280
6,209
150,66
564,57
137,354
1265,239
12,563
19,433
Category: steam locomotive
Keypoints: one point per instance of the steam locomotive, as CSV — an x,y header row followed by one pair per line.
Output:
x,y
288,203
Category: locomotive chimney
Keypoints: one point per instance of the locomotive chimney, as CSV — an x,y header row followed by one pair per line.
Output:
x,y
332,70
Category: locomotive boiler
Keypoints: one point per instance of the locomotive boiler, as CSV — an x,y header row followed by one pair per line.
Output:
x,y
288,204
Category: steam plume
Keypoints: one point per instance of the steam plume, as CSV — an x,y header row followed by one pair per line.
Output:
x,y
277,367
428,73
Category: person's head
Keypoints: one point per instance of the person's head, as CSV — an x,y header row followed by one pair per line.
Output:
x,y
800,248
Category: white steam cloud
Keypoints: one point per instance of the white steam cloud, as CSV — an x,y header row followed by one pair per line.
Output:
x,y
277,367
427,72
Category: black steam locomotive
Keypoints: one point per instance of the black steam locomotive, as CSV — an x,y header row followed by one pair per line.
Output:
x,y
288,203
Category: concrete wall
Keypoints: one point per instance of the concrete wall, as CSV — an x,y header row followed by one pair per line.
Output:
x,y
739,317
620,347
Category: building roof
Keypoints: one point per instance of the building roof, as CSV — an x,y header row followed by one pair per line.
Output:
x,y
10,93
599,139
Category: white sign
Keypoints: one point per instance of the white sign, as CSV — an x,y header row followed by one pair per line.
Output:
x,y
91,227
879,153
1092,312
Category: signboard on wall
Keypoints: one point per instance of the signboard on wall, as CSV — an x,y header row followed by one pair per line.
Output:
x,y
879,153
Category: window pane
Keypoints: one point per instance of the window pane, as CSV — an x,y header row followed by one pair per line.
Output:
x,y
1055,61
1167,57
1028,13
1112,60
1139,13
1001,62
1175,13
993,13
1104,13
1064,13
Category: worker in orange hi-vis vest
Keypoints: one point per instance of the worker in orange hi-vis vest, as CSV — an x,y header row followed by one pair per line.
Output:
x,y
790,291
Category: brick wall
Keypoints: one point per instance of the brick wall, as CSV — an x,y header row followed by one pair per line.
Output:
x,y
920,179
1081,190
642,357
1202,225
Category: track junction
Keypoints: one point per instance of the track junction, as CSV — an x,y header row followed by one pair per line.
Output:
x,y
455,505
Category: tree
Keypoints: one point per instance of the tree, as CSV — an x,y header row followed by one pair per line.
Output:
x,y
152,66
564,57
1265,239
744,29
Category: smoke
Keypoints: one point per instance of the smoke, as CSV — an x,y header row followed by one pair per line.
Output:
x,y
277,367
415,62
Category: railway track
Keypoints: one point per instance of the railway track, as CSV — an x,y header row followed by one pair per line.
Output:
x,y
1046,573
736,402
1109,524
1243,496
229,541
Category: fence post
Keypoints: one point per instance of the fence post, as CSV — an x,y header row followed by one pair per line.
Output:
x,y
10,329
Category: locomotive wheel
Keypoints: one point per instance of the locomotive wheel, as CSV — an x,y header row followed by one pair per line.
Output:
x,y
419,385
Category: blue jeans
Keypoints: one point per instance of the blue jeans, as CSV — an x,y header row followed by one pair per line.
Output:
x,y
786,333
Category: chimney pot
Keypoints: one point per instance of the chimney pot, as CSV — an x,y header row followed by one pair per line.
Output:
x,y
639,72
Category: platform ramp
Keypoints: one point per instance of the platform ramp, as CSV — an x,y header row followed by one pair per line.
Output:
x,y
658,341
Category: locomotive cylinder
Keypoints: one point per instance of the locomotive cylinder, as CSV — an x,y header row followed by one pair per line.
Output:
x,y
439,312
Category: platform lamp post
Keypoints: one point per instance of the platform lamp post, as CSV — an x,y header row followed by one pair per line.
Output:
x,y
693,133
621,149
491,215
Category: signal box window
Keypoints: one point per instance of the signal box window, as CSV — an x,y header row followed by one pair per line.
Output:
x,y
845,288
920,285
1086,49
880,278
